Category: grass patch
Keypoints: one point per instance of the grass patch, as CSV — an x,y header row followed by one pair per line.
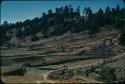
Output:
x,y
107,74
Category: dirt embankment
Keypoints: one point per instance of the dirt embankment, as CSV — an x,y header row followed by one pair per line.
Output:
x,y
74,52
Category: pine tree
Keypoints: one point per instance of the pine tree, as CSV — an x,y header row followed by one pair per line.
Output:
x,y
66,11
89,12
108,11
122,38
78,11
100,16
50,13
117,10
124,3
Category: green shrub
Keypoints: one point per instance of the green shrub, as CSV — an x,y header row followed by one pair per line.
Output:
x,y
120,24
19,72
107,74
122,38
92,34
70,73
1,82
34,38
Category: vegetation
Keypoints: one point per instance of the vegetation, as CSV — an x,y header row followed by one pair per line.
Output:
x,y
107,74
122,38
19,72
64,19
1,82
34,38
62,74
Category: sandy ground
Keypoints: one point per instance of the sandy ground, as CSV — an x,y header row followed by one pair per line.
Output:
x,y
40,77
36,77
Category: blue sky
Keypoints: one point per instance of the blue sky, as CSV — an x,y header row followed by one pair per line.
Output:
x,y
13,11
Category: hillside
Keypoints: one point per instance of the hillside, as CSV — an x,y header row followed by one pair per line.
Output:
x,y
47,56
65,47
63,20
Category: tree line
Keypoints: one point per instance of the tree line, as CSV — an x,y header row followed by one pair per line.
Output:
x,y
65,19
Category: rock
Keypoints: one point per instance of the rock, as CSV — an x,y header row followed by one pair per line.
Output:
x,y
94,75
97,70
88,67
81,71
61,74
98,65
